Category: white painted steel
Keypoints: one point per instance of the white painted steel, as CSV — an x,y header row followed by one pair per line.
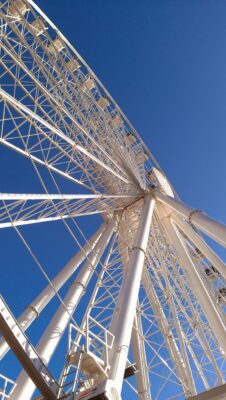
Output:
x,y
25,109
180,363
201,245
26,353
61,319
56,113
212,228
33,196
72,48
41,301
197,284
123,317
138,345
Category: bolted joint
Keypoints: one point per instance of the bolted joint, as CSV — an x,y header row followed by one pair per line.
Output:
x,y
80,283
192,213
32,308
138,248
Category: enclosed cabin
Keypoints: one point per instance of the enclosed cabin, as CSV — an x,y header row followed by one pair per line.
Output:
x,y
152,178
103,102
117,121
199,253
212,273
89,83
38,26
130,138
73,65
222,295
142,157
17,8
56,46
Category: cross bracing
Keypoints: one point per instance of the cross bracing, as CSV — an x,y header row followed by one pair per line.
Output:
x,y
142,301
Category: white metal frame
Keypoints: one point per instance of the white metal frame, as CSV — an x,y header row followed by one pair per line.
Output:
x,y
145,269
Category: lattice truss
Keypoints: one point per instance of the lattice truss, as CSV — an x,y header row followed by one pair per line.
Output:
x,y
147,259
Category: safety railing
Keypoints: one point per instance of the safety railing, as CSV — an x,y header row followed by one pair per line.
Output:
x,y
98,342
6,387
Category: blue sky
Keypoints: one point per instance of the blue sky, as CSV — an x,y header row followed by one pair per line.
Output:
x,y
164,63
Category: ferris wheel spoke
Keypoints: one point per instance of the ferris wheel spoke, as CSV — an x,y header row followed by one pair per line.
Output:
x,y
188,381
201,245
187,311
59,142
97,82
186,307
25,209
205,300
60,321
99,148
167,334
212,228
41,301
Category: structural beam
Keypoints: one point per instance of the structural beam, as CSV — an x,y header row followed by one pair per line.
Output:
x,y
197,285
202,246
61,319
40,302
138,346
212,228
182,372
39,196
26,354
16,104
123,318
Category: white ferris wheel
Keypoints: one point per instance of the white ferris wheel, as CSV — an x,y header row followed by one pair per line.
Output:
x,y
140,306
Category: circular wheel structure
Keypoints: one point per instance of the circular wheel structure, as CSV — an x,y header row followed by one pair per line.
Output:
x,y
131,299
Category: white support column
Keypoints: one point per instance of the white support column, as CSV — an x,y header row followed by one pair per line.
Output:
x,y
180,366
202,246
212,228
142,376
122,322
56,328
194,316
88,310
197,284
41,301
189,384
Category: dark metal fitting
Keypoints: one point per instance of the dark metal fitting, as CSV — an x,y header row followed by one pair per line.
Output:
x,y
33,309
192,213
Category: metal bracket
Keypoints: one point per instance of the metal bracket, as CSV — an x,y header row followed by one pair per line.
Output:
x,y
139,248
192,213
29,307
79,283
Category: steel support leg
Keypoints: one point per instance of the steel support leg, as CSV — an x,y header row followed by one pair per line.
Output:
x,y
212,228
182,373
138,346
123,318
54,332
41,301
197,284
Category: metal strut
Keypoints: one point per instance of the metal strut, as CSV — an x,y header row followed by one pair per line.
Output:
x,y
123,318
26,354
50,340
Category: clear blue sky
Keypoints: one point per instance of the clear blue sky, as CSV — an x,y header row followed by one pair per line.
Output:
x,y
164,63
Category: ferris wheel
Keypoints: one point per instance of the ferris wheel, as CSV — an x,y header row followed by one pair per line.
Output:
x,y
138,311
